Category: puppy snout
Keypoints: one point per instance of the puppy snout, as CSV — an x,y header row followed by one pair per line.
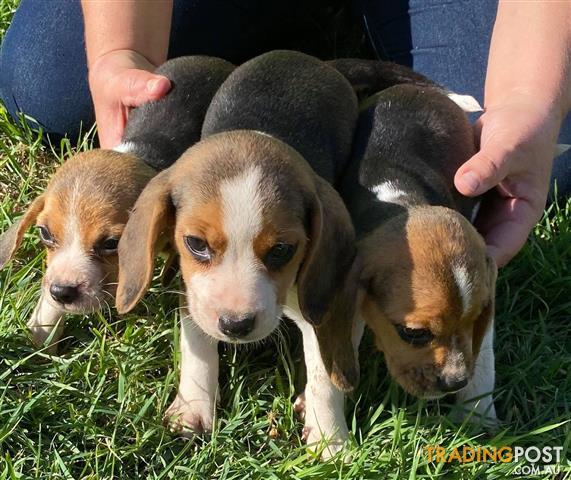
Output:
x,y
236,325
64,294
451,383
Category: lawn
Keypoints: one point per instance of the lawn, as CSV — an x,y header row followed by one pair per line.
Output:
x,y
95,411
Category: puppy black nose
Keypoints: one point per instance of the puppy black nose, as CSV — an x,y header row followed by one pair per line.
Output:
x,y
236,325
64,293
451,383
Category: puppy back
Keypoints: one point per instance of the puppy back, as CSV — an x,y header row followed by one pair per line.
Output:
x,y
159,132
415,137
295,98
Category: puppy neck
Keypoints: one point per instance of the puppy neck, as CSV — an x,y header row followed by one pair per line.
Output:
x,y
376,199
412,187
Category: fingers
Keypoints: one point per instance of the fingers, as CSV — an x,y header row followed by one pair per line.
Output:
x,y
121,80
129,89
139,86
505,224
483,171
110,124
506,240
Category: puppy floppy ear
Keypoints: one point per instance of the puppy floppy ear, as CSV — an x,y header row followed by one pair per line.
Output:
x,y
10,241
484,320
329,255
328,283
337,336
152,214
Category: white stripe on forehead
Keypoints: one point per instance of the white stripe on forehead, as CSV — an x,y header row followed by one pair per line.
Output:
x,y
242,209
74,220
465,286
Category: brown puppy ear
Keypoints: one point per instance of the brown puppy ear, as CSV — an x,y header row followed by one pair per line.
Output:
x,y
487,315
337,336
328,283
151,215
11,239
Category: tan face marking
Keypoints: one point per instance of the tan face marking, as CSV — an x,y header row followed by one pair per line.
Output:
x,y
427,319
241,216
87,204
285,276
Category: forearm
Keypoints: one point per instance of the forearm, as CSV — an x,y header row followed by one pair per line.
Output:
x,y
139,25
530,54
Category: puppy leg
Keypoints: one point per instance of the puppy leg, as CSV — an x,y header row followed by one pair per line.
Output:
x,y
46,320
322,403
477,396
192,411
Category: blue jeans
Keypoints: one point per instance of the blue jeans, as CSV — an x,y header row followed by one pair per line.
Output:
x,y
43,66
43,70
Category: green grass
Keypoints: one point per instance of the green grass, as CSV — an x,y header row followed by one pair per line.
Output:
x,y
95,411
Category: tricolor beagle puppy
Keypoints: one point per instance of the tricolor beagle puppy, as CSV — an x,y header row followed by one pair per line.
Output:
x,y
259,232
368,77
81,215
429,284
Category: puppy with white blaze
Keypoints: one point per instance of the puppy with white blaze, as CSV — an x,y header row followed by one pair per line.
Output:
x,y
428,283
260,230
81,215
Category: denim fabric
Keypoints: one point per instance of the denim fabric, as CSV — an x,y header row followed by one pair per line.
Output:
x,y
448,41
43,69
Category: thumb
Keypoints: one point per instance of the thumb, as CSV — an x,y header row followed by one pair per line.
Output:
x,y
139,86
483,171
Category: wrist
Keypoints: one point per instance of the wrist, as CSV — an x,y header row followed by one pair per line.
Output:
x,y
140,26
120,58
539,103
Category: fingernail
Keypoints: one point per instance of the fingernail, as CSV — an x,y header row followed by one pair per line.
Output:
x,y
152,85
470,180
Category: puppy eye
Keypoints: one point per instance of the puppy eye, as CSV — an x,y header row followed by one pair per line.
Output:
x,y
417,337
279,255
46,236
198,248
107,246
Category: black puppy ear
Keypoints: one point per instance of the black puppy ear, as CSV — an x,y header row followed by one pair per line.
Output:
x,y
329,255
152,213
336,336
11,240
328,283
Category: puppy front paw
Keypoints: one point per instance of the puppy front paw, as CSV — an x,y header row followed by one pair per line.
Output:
x,y
189,417
46,323
326,433
482,412
332,441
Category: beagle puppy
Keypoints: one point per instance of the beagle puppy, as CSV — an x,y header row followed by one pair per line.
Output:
x,y
429,285
259,233
368,77
81,215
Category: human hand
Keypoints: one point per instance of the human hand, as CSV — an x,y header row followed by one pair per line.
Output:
x,y
517,144
121,80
